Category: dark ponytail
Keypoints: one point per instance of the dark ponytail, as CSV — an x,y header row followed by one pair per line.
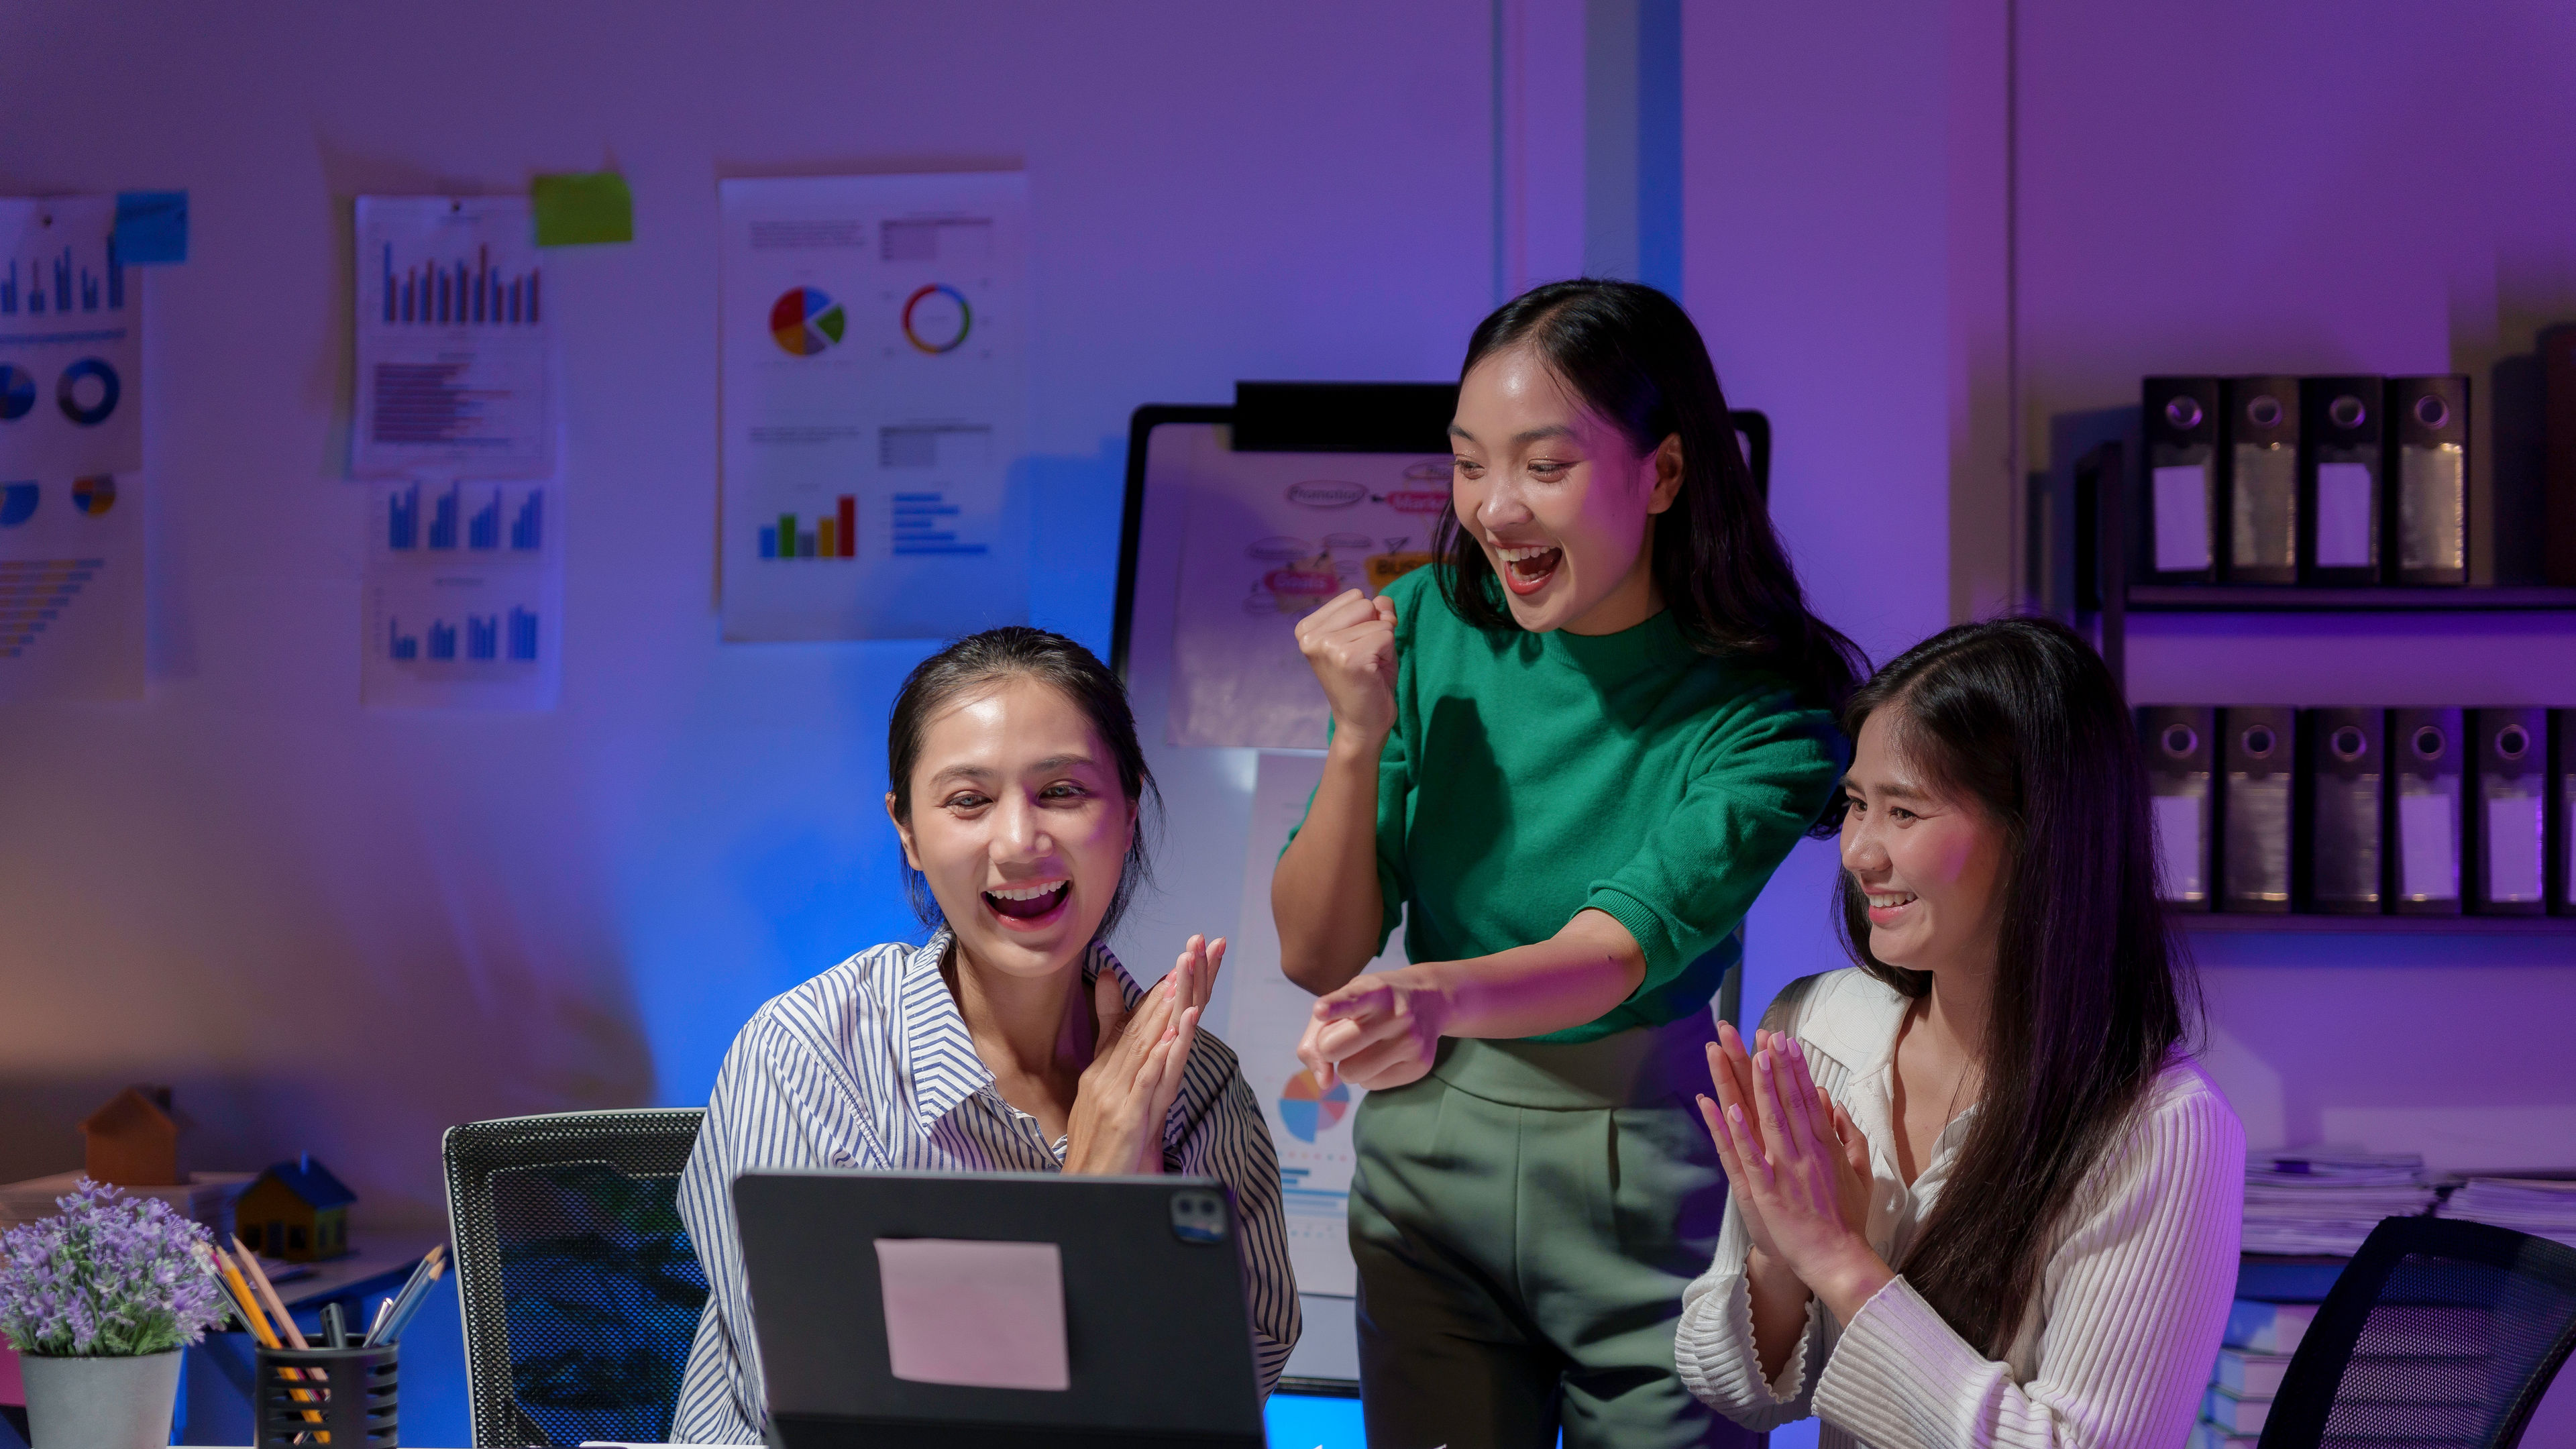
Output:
x,y
1631,354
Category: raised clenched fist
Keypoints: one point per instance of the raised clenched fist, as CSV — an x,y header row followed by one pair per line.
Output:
x,y
1350,643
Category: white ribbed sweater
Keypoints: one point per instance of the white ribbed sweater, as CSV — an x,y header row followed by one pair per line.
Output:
x,y
2113,1351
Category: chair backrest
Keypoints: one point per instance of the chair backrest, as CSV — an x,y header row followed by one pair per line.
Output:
x,y
580,1288
2439,1331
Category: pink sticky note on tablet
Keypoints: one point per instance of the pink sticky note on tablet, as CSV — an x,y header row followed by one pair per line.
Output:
x,y
979,1314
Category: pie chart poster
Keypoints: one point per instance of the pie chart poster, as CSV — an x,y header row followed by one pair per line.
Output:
x,y
875,398
72,590
71,343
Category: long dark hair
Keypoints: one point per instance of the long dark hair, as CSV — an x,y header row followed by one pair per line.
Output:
x,y
1017,651
1631,354
2091,993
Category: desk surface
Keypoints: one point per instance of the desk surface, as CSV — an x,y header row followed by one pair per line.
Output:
x,y
373,1255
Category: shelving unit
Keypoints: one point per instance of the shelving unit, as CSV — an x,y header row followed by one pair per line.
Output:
x,y
2281,599
2106,598
2105,595
2231,923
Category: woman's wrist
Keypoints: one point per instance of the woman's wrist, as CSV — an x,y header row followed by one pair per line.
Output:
x,y
1771,1277
1432,992
1356,744
1848,1278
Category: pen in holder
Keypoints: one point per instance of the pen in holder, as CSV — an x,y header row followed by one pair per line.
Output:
x,y
342,1397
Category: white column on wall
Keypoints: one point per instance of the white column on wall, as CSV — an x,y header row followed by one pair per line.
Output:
x,y
1587,142
1540,86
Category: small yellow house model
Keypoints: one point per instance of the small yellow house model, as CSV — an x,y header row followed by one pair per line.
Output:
x,y
133,1141
296,1211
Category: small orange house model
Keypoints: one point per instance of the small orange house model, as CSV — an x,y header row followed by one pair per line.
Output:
x,y
297,1211
133,1141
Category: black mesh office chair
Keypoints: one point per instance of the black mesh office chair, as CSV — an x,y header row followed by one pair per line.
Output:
x,y
580,1288
2440,1332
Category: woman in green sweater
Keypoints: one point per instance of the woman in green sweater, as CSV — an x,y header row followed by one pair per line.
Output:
x,y
1572,751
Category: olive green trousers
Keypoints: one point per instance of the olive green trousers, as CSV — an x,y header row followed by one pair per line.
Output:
x,y
1525,1218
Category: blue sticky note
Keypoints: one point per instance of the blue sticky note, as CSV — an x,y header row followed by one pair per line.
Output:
x,y
151,227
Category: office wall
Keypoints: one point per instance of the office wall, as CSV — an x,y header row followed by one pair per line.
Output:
x,y
2279,187
1877,244
2309,189
341,930
1843,223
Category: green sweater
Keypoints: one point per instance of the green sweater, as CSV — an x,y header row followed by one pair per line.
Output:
x,y
1531,776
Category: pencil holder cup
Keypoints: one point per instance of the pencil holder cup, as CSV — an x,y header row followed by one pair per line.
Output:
x,y
342,1397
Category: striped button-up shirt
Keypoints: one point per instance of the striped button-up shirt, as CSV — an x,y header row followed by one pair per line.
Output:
x,y
869,1065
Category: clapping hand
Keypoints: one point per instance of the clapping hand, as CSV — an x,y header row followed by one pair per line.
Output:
x,y
1382,1030
1797,1166
1135,1073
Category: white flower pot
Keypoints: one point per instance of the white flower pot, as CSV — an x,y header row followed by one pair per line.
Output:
x,y
100,1403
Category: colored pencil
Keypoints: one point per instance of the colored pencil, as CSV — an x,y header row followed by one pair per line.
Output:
x,y
422,1275
258,1322
268,1293
434,1267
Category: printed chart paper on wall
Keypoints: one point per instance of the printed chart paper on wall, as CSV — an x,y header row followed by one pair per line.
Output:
x,y
1268,537
874,398
464,595
1265,1018
455,339
72,590
459,420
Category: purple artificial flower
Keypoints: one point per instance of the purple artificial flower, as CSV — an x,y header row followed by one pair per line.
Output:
x,y
111,1276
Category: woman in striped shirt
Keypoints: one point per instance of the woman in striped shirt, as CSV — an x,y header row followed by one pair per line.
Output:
x,y
1981,1194
1012,1041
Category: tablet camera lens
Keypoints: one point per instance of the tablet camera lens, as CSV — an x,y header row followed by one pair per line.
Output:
x,y
2431,411
2428,743
1198,1216
2180,740
2183,413
2347,412
2348,744
2264,412
2513,742
2258,742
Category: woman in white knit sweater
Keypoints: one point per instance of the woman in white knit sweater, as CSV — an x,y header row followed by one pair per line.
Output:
x,y
1979,1195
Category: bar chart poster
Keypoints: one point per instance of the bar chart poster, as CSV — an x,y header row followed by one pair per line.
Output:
x,y
71,343
72,588
875,393
455,339
464,595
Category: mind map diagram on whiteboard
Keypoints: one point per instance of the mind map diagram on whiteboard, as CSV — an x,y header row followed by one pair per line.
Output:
x,y
1266,539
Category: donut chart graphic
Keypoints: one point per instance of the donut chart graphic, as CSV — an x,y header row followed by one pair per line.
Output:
x,y
95,494
805,320
17,392
1307,1112
67,392
931,328
17,503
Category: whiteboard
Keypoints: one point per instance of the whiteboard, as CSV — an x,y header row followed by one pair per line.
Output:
x,y
1304,479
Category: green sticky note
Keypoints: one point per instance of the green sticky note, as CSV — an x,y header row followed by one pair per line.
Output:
x,y
592,206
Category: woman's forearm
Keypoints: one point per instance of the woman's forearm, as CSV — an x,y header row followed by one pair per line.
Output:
x,y
1779,1303
1570,978
1324,894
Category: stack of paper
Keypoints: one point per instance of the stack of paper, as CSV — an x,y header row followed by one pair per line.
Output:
x,y
2260,1339
2326,1199
2544,1207
206,1197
